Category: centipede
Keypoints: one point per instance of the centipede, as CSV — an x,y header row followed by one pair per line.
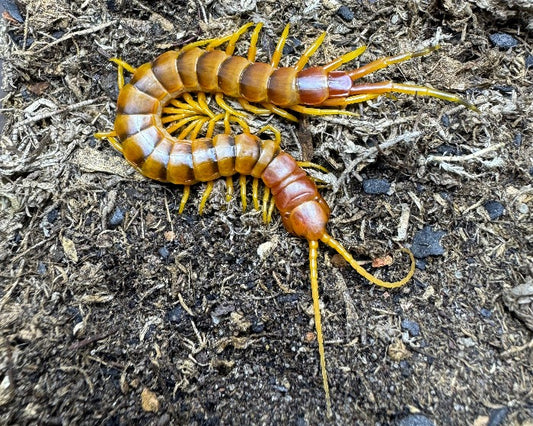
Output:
x,y
158,125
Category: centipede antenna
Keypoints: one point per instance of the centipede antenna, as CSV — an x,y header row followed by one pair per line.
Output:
x,y
230,48
348,57
205,196
330,241
349,100
313,270
309,52
276,56
252,50
242,183
184,198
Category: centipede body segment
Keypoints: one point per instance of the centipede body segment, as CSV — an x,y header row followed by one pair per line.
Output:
x,y
158,124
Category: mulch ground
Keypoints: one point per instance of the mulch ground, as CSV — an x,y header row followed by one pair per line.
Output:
x,y
114,309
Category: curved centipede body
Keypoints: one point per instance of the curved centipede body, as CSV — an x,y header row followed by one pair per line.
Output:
x,y
143,135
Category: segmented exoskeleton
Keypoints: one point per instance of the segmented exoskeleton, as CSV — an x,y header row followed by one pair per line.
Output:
x,y
148,113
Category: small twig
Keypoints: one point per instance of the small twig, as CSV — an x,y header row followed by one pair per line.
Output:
x,y
52,113
463,158
82,343
74,34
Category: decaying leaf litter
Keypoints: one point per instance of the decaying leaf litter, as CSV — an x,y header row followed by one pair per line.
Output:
x,y
107,295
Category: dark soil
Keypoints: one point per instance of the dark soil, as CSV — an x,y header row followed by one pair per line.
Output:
x,y
114,309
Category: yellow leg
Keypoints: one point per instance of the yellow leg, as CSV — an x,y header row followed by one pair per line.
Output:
x,y
202,101
242,123
179,124
187,97
310,50
270,210
182,105
175,117
217,42
222,104
330,241
410,89
276,56
252,50
122,65
350,100
348,57
266,196
229,188
191,128
388,61
242,183
313,268
255,193
247,106
197,128
312,166
230,48
111,137
269,128
205,196
184,198
317,111
212,123
279,111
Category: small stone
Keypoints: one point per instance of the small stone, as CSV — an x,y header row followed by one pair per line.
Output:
x,y
116,218
176,315
497,416
517,140
163,252
485,313
494,208
415,420
149,401
345,13
529,61
503,41
376,186
411,326
427,243
52,215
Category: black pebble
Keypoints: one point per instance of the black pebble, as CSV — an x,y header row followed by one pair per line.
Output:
x,y
503,41
376,186
529,61
117,217
176,315
52,215
427,243
494,208
346,13
411,326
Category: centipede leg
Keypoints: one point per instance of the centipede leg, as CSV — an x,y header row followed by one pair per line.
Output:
x,y
111,138
311,165
184,198
388,61
230,48
122,65
279,111
255,193
242,183
313,270
309,52
253,109
205,196
222,104
348,57
317,111
276,56
350,100
270,210
229,188
252,50
368,89
266,196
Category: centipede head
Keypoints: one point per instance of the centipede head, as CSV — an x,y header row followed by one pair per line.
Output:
x,y
309,219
